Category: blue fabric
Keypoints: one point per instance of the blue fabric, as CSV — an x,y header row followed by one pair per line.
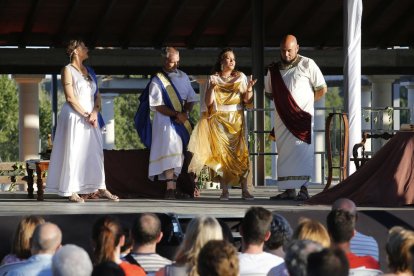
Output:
x,y
36,265
142,116
101,121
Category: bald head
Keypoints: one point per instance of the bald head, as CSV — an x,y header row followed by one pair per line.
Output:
x,y
46,239
289,49
345,204
146,229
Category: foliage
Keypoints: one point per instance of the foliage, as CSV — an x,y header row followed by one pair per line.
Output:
x,y
126,137
45,118
9,118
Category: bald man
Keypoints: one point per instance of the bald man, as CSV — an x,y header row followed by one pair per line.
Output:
x,y
361,245
295,83
46,240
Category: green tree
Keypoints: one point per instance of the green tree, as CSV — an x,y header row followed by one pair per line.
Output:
x,y
45,118
9,118
126,137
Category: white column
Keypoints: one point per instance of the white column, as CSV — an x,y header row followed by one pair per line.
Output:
x,y
29,146
381,98
108,115
319,140
396,103
410,99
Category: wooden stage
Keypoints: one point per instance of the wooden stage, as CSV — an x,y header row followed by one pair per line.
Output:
x,y
76,219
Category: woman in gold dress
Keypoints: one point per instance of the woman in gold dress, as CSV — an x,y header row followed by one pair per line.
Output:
x,y
219,139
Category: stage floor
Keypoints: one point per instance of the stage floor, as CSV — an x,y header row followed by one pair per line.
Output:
x,y
17,203
76,219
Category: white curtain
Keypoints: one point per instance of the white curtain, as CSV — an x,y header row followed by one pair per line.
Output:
x,y
352,71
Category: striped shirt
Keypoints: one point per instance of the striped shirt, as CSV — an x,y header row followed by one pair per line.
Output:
x,y
363,245
151,262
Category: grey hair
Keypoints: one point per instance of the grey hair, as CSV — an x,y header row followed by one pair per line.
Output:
x,y
71,260
167,51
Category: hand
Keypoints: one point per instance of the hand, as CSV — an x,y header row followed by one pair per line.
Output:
x,y
250,83
93,119
213,83
181,117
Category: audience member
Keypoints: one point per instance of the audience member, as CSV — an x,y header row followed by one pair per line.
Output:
x,y
108,268
400,259
127,247
361,245
199,231
108,237
146,233
329,261
297,252
341,227
46,239
71,260
280,236
309,229
255,231
218,258
20,249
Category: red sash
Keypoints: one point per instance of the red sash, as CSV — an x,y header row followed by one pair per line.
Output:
x,y
297,121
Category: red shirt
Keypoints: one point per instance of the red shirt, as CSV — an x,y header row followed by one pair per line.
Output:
x,y
365,261
131,269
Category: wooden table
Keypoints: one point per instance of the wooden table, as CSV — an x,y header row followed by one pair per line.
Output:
x,y
40,166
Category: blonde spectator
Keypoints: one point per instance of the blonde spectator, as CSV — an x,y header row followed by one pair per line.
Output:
x,y
398,246
20,250
199,231
309,229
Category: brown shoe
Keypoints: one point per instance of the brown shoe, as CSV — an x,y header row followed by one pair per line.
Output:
x,y
246,195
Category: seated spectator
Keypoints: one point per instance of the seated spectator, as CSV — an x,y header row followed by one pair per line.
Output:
x,y
309,229
255,231
218,258
199,231
71,260
341,228
20,250
127,247
146,234
400,259
297,252
280,236
361,245
108,237
46,239
328,262
108,269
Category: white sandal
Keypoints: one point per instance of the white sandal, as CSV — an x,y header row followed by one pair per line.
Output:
x,y
76,198
107,194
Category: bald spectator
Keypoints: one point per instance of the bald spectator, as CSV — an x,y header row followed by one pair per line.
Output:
x,y
146,233
46,240
361,245
71,260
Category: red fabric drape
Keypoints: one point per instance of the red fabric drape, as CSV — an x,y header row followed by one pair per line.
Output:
x,y
298,122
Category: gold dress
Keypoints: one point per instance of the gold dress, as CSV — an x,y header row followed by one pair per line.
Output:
x,y
219,139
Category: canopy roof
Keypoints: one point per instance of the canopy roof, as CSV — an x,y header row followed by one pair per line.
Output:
x,y
198,23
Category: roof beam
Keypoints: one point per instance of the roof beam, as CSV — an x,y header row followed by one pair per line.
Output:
x,y
145,61
28,25
334,24
396,27
135,21
67,19
103,19
209,13
280,8
167,25
231,32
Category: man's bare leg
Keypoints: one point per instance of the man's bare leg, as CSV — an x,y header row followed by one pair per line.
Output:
x,y
171,184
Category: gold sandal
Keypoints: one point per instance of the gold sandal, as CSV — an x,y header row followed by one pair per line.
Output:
x,y
107,194
76,198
